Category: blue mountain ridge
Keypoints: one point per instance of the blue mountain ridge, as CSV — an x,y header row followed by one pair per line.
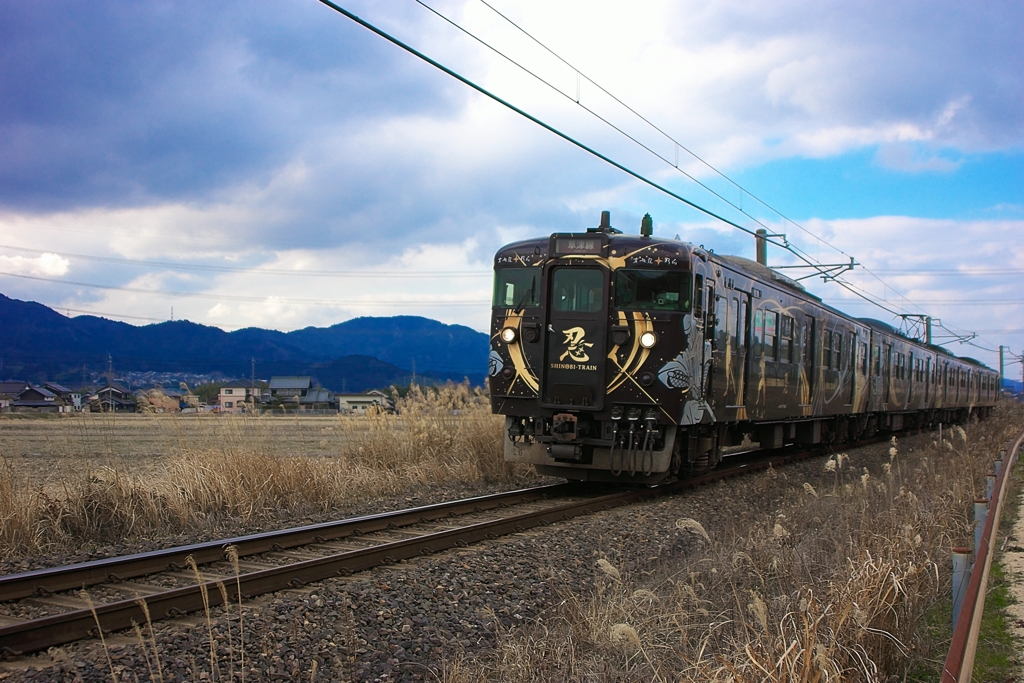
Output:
x,y
39,344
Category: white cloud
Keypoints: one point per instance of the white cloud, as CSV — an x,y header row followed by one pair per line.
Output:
x,y
50,265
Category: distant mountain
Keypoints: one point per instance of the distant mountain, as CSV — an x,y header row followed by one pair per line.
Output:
x,y
38,344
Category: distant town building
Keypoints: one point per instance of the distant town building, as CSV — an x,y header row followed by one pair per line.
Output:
x,y
359,404
71,399
298,394
112,398
236,395
37,400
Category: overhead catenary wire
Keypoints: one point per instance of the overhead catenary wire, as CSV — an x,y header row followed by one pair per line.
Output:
x,y
793,249
171,265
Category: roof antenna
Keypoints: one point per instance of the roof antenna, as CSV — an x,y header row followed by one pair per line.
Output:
x,y
647,225
606,225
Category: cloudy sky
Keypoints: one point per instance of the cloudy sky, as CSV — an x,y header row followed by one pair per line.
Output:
x,y
276,164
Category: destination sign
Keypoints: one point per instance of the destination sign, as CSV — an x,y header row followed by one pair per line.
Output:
x,y
578,245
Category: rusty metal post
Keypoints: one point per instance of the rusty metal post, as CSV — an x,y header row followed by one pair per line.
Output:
x,y
980,517
961,575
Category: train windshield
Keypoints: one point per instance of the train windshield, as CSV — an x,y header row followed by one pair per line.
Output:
x,y
652,290
517,288
577,290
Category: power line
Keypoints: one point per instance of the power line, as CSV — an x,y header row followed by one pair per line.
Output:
x,y
668,137
257,299
260,271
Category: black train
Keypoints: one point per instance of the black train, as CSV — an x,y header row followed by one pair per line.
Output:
x,y
630,358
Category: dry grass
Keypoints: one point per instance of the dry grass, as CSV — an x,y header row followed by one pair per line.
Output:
x,y
72,481
831,586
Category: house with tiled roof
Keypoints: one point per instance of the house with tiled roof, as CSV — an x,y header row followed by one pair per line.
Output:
x,y
37,400
237,395
112,398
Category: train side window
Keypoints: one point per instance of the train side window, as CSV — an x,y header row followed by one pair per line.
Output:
x,y
771,321
878,361
837,348
864,358
827,349
786,339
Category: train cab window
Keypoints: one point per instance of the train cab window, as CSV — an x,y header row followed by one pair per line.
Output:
x,y
771,322
652,290
517,288
786,339
577,290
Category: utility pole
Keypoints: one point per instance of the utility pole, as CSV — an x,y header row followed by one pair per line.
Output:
x,y
1002,364
928,329
252,383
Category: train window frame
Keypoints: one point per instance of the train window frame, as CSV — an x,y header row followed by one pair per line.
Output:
x,y
500,282
826,349
593,306
698,297
837,349
649,277
863,358
758,331
741,324
771,347
732,312
786,339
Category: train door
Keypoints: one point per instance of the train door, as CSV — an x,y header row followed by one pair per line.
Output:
x,y
574,366
808,368
853,360
887,372
877,388
927,380
715,331
743,346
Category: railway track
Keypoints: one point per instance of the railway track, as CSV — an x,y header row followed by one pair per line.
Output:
x,y
169,583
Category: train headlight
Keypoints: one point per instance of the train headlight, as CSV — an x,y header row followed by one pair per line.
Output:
x,y
648,340
508,335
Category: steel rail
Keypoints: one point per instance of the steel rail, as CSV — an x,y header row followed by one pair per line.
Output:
x,y
55,579
959,664
59,629
63,628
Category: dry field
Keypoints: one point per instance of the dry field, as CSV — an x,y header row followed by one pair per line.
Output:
x,y
848,579
76,480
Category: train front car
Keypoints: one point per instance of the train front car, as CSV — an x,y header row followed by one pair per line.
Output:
x,y
598,353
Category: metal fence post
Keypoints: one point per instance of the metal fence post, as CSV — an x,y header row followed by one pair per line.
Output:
x,y
980,517
990,486
961,575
